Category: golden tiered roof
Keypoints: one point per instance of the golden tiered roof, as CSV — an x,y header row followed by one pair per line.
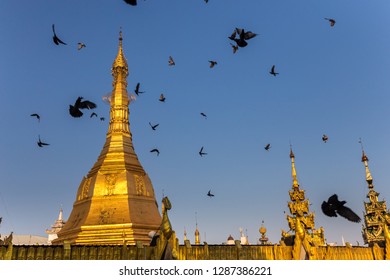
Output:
x,y
115,202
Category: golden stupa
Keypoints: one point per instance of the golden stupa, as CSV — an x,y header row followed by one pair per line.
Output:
x,y
115,202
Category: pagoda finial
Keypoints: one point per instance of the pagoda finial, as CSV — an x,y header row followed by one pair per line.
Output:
x,y
293,171
365,161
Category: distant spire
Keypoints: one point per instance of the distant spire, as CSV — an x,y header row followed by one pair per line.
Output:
x,y
293,171
365,161
197,235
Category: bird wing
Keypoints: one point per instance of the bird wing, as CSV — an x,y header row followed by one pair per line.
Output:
x,y
87,105
347,213
249,35
131,2
327,209
333,199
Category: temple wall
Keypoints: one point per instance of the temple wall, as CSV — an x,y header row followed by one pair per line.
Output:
x,y
185,252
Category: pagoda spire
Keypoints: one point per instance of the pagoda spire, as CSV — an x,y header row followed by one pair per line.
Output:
x,y
116,200
301,220
376,216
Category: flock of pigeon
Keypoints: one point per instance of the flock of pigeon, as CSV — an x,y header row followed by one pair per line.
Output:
x,y
332,207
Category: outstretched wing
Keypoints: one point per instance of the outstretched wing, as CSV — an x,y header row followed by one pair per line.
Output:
x,y
348,214
87,105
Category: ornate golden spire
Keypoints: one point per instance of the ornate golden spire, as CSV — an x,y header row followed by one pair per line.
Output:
x,y
368,173
116,199
293,171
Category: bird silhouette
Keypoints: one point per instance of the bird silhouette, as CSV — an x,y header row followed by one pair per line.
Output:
x,y
155,151
210,194
171,62
56,40
93,115
333,207
241,41
102,119
75,111
154,126
162,98
203,115
234,47
332,22
80,46
201,153
131,2
137,92
40,143
37,116
272,72
267,147
212,63
324,138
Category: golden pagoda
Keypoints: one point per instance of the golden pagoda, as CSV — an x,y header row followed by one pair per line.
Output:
x,y
306,238
115,202
376,218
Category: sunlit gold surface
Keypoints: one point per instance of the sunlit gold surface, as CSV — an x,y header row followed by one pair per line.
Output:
x,y
115,202
376,218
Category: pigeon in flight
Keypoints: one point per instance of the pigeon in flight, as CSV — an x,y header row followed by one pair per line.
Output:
x,y
171,62
102,119
36,115
137,92
40,143
203,115
243,37
212,63
332,22
210,194
74,110
333,207
272,72
162,98
93,115
234,47
80,46
56,40
324,138
267,147
201,153
153,126
131,2
155,151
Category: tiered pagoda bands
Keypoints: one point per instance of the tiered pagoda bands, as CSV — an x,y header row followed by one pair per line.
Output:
x,y
115,215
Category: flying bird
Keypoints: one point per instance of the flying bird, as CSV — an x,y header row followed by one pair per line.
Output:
x,y
153,126
333,207
80,46
234,47
155,151
56,40
332,22
102,119
40,143
272,72
267,147
131,2
243,37
324,138
210,194
162,98
206,1
201,153
171,62
203,115
36,115
93,115
212,63
137,92
75,111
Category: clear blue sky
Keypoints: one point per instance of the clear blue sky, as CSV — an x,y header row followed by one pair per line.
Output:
x,y
332,80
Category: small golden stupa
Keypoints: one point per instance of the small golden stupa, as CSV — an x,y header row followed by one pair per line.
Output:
x,y
115,202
